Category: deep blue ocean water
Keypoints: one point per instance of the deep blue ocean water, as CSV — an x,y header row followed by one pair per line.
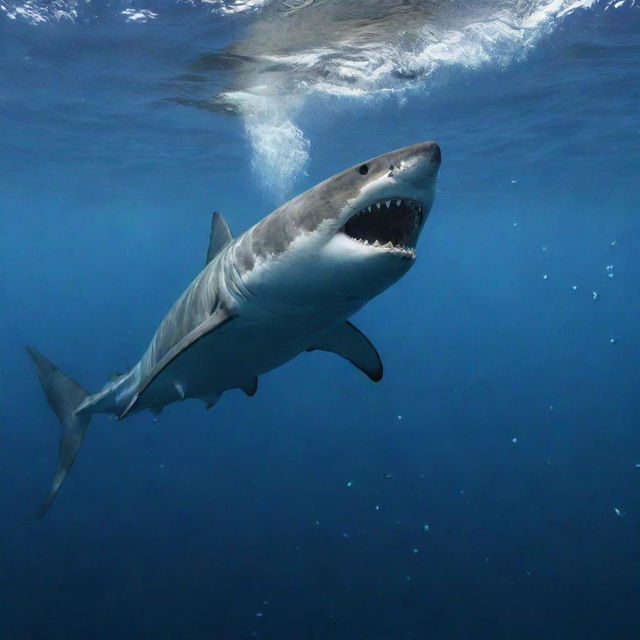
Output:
x,y
487,488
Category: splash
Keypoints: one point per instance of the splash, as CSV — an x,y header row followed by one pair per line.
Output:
x,y
236,6
35,13
353,49
363,51
142,15
329,52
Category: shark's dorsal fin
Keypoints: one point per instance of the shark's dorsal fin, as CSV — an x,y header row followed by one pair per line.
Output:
x,y
219,236
171,359
250,387
350,343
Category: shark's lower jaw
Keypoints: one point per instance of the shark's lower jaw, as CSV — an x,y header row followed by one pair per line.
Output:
x,y
387,225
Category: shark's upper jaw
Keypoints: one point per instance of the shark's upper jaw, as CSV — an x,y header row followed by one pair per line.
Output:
x,y
392,225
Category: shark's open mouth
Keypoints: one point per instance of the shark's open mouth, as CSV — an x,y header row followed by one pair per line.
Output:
x,y
387,224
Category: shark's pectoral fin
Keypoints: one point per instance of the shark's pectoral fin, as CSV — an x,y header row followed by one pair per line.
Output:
x,y
250,387
219,237
350,343
169,366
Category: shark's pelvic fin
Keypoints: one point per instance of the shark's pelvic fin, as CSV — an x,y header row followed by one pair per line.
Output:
x,y
64,395
219,237
171,359
210,399
350,343
250,387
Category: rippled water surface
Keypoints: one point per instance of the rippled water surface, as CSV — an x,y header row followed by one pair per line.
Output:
x,y
489,486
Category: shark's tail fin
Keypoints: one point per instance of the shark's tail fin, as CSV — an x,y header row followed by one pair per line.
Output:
x,y
64,395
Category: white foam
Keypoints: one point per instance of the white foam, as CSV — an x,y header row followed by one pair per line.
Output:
x,y
138,15
359,69
36,13
226,7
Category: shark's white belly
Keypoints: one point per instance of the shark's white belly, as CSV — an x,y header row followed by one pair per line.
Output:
x,y
235,355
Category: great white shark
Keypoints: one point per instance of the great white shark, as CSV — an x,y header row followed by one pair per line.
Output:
x,y
285,286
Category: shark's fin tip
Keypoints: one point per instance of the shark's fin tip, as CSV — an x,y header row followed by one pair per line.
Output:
x,y
350,343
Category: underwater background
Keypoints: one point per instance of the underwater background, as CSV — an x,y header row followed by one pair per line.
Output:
x,y
489,486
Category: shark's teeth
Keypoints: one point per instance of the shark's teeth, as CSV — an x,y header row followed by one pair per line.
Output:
x,y
391,226
387,246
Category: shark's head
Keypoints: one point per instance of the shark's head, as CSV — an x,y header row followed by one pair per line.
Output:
x,y
354,234
376,230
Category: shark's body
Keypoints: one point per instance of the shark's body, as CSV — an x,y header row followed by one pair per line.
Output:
x,y
285,286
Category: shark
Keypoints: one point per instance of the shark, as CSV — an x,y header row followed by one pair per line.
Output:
x,y
286,286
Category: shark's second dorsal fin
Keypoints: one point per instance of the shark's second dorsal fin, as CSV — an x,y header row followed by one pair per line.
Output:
x,y
219,236
350,343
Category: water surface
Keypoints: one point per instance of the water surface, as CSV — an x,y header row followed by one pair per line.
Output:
x,y
488,487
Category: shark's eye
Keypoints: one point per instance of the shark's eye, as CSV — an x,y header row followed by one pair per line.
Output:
x,y
364,169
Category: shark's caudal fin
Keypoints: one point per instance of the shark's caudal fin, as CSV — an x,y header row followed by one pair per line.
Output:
x,y
64,395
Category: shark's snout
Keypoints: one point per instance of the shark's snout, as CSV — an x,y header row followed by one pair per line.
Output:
x,y
436,154
424,155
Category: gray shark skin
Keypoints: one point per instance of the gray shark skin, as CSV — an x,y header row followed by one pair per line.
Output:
x,y
285,286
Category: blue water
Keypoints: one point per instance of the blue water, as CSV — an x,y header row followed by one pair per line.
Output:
x,y
487,488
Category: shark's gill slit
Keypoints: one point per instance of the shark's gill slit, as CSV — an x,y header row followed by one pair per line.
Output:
x,y
387,224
